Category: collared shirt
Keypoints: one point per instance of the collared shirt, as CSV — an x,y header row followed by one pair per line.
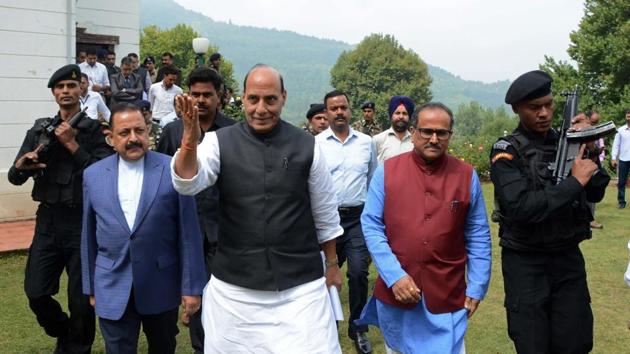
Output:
x,y
95,105
351,164
97,74
162,99
130,175
152,76
388,145
323,203
621,144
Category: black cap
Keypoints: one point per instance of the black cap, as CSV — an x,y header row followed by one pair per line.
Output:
x,y
149,59
68,72
367,104
529,86
315,108
144,105
215,56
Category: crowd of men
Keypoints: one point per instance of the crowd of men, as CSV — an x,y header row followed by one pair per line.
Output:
x,y
246,224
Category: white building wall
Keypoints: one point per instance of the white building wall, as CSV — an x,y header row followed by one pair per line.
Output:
x,y
115,18
38,37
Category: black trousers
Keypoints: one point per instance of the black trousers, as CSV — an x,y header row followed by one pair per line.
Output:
x,y
195,327
121,336
56,245
351,248
547,301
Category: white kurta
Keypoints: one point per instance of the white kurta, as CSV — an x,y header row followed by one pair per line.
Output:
x,y
242,320
297,320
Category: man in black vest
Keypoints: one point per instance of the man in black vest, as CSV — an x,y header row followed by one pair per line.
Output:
x,y
541,224
55,153
203,86
268,290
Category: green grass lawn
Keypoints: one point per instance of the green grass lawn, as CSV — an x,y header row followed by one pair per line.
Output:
x,y
606,258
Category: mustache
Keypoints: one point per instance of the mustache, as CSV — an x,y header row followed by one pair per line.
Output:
x,y
340,116
133,144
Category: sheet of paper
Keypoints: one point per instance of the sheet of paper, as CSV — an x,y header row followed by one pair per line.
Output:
x,y
333,294
336,303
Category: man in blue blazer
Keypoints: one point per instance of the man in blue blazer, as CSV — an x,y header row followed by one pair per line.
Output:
x,y
141,250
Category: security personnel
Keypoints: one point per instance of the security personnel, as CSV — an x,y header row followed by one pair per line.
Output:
x,y
317,121
55,153
367,125
541,224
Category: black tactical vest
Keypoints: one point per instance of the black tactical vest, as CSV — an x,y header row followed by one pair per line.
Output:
x,y
267,238
568,226
62,180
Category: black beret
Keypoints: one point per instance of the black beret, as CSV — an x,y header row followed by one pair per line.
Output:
x,y
315,108
68,72
215,56
367,104
144,105
529,86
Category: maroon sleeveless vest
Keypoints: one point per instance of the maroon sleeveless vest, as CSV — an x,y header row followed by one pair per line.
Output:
x,y
424,214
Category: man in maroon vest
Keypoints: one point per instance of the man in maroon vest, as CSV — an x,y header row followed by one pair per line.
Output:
x,y
425,225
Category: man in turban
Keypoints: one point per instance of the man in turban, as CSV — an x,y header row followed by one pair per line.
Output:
x,y
397,139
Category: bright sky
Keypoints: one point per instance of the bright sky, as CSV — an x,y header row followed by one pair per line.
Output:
x,y
485,40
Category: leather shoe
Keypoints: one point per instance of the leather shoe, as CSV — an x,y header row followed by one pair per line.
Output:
x,y
596,225
362,343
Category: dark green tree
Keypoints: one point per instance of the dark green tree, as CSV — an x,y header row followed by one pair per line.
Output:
x,y
377,69
601,49
178,40
565,79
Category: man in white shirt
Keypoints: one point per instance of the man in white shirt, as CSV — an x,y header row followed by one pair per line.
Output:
x,y
621,157
397,139
351,160
162,95
268,290
96,107
96,72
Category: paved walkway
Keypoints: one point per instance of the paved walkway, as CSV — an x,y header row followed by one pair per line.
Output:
x,y
16,235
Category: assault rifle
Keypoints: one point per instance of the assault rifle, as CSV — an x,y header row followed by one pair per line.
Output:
x,y
47,138
570,141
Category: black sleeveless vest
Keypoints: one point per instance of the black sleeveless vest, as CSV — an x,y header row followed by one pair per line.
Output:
x,y
267,238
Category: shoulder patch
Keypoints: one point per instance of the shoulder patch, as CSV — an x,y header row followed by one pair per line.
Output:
x,y
502,155
501,145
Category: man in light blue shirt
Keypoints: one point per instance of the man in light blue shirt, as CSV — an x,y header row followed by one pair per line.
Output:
x,y
351,159
621,157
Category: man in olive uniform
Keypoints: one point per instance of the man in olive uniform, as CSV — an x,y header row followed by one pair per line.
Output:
x,y
317,121
367,125
541,224
55,154
155,130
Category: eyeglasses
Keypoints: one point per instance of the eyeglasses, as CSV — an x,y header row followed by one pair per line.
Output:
x,y
442,134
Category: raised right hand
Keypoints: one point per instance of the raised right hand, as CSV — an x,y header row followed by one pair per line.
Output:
x,y
30,160
583,169
190,118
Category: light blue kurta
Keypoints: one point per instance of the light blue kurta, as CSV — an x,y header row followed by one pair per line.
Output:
x,y
418,330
